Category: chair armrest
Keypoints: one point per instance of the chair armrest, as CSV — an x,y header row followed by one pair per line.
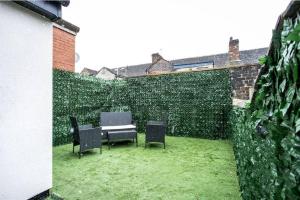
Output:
x,y
91,132
90,138
86,126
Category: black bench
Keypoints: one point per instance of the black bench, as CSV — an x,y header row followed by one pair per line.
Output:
x,y
118,126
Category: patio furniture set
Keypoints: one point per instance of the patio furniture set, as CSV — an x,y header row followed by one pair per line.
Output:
x,y
114,127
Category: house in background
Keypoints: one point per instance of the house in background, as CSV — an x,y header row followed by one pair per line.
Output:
x,y
88,72
64,35
233,58
243,67
104,73
26,51
159,65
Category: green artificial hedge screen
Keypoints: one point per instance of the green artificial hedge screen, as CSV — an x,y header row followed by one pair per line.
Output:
x,y
266,136
195,104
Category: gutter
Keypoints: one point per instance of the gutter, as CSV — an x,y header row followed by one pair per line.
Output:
x,y
49,9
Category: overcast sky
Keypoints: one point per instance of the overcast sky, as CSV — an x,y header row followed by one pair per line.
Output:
x,y
117,33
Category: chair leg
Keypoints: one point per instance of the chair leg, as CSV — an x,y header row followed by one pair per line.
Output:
x,y
164,145
101,149
108,142
73,147
136,140
79,152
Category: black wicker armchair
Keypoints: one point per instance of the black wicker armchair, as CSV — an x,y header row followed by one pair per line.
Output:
x,y
85,136
155,132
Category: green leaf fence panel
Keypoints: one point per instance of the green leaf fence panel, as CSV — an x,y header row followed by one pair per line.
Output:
x,y
269,166
197,103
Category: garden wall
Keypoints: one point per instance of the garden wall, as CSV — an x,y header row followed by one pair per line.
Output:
x,y
243,79
266,136
196,104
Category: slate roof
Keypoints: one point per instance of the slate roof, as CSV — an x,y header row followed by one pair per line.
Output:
x,y
247,57
133,70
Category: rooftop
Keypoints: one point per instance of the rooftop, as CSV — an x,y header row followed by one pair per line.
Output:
x,y
247,57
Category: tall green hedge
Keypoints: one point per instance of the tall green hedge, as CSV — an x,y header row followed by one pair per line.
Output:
x,y
269,161
197,104
255,158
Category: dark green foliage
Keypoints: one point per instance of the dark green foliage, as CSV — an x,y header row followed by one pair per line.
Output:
x,y
274,160
83,97
197,104
255,158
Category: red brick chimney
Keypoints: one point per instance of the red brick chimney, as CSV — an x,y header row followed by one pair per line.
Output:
x,y
156,57
233,53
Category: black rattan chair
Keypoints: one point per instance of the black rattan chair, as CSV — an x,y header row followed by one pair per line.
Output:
x,y
85,136
155,132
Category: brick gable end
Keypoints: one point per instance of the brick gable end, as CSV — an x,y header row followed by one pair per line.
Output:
x,y
63,50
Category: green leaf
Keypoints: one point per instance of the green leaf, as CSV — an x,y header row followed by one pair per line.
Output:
x,y
285,108
263,60
294,35
290,94
295,69
298,125
282,85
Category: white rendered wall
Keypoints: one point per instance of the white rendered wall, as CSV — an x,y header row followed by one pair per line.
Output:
x,y
25,103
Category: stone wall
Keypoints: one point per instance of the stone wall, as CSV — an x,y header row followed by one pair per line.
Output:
x,y
243,79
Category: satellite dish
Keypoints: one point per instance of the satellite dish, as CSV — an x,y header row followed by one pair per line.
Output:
x,y
77,57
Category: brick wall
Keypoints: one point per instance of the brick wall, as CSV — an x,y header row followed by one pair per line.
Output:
x,y
63,50
243,80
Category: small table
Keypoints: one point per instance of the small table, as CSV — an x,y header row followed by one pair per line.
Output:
x,y
120,132
155,132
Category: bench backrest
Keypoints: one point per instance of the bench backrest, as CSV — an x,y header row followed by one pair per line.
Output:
x,y
115,118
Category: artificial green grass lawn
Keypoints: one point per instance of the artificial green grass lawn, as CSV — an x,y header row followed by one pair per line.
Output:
x,y
188,168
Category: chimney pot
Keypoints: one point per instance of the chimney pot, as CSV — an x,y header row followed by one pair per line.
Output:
x,y
233,53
